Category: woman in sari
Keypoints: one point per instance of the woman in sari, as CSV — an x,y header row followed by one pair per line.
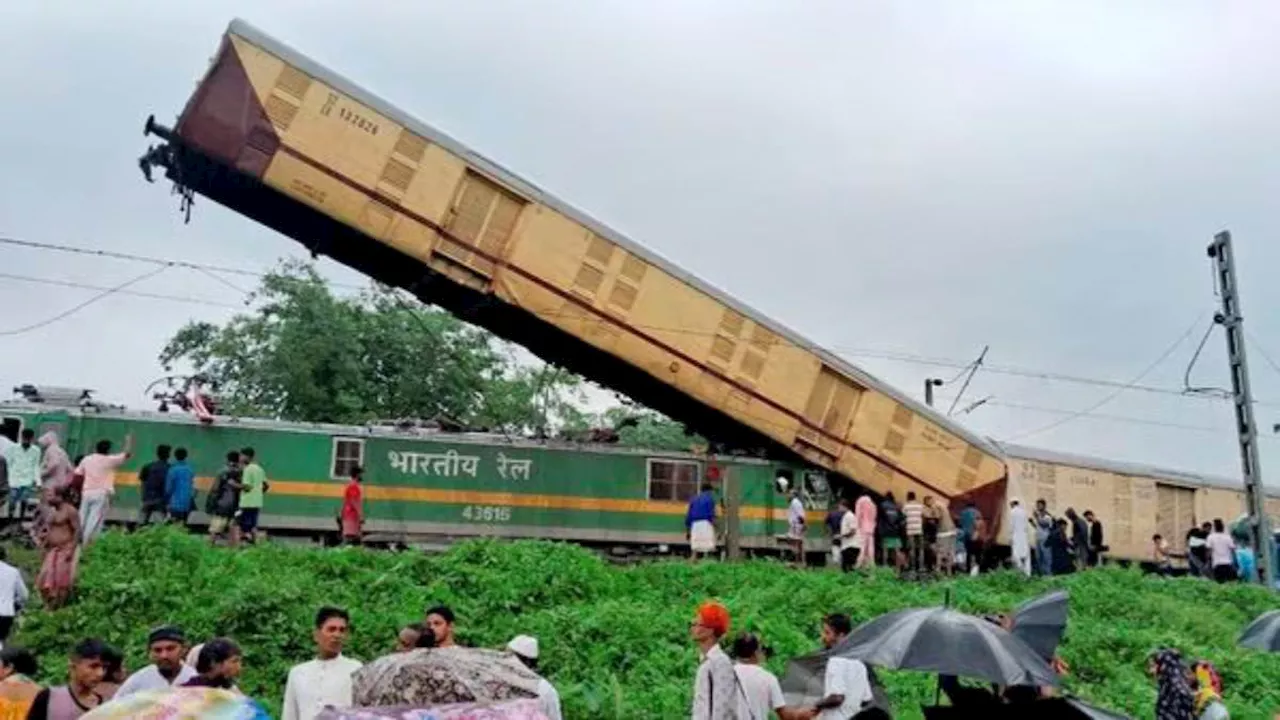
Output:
x,y
55,474
58,571
1175,699
17,689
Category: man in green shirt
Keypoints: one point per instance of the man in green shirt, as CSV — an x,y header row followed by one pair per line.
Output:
x,y
254,479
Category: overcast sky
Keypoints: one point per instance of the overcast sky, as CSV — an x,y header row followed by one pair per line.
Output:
x,y
886,178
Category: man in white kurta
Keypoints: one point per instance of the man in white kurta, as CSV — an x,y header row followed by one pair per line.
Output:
x,y
324,682
1019,540
525,649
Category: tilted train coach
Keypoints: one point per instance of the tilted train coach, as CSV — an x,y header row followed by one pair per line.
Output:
x,y
277,137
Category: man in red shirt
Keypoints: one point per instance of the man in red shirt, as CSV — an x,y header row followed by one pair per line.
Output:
x,y
352,517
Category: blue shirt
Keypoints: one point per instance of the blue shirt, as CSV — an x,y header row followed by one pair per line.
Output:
x,y
179,487
701,507
968,521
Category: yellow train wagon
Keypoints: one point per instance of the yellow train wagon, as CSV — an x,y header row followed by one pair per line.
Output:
x,y
1132,501
275,136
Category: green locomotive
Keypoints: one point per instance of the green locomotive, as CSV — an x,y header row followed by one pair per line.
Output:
x,y
428,487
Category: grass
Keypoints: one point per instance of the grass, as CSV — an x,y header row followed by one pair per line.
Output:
x,y
615,639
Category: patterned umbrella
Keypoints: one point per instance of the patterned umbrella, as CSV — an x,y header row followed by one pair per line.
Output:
x,y
513,710
187,703
438,676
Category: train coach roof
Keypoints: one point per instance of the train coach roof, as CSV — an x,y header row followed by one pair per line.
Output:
x,y
532,192
1022,452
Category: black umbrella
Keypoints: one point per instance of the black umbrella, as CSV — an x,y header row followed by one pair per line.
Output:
x,y
947,642
1040,622
1263,633
805,682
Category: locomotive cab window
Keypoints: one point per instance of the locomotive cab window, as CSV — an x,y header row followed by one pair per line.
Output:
x,y
674,480
348,453
11,427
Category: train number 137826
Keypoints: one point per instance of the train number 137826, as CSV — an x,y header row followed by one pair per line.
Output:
x,y
486,513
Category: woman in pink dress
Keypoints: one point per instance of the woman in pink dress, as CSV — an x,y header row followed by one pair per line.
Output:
x,y
864,511
352,518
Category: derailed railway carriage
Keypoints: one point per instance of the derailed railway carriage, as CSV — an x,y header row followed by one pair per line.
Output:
x,y
277,137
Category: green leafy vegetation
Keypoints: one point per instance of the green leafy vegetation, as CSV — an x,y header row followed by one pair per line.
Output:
x,y
300,352
615,638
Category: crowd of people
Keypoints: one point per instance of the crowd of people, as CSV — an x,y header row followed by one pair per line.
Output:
x,y
97,674
921,537
71,499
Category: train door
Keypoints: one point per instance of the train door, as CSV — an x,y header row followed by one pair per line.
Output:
x,y
1175,514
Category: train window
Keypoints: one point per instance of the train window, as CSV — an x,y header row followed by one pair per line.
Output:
x,y
11,427
674,480
348,453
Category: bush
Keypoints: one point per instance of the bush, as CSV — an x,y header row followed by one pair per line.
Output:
x,y
615,640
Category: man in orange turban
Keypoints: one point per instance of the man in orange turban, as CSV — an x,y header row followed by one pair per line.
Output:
x,y
715,685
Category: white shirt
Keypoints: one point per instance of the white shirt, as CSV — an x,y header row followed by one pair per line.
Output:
x,y
13,592
1221,549
795,512
761,693
1018,540
549,700
149,678
848,525
715,687
848,678
318,684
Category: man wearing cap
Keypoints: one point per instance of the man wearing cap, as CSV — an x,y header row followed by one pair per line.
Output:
x,y
526,649
715,688
166,646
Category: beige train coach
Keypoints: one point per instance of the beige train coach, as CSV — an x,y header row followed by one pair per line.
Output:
x,y
291,144
1133,502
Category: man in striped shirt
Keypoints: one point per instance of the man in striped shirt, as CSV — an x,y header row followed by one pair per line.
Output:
x,y
913,512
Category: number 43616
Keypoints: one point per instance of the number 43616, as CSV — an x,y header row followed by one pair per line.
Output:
x,y
486,513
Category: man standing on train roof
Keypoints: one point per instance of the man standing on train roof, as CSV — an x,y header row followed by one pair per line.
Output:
x,y
699,522
23,460
796,524
1019,542
180,487
253,496
99,473
152,479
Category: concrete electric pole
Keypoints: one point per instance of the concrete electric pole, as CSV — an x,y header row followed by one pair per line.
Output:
x,y
1231,319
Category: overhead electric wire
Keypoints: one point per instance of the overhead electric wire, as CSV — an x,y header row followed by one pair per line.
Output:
x,y
86,303
848,352
131,293
1115,393
1186,376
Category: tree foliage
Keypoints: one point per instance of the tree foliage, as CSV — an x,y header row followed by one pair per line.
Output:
x,y
303,353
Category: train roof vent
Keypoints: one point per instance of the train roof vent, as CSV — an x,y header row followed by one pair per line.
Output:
x,y
54,395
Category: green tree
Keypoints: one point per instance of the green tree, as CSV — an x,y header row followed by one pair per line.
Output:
x,y
303,353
